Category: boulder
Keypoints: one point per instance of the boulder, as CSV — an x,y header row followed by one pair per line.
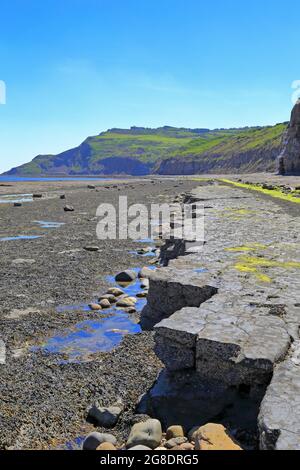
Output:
x,y
214,437
17,204
94,439
126,276
104,416
148,433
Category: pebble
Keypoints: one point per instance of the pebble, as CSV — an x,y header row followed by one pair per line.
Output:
x,y
94,439
126,302
175,441
110,297
126,276
68,208
148,433
142,294
115,291
95,306
91,248
104,303
174,431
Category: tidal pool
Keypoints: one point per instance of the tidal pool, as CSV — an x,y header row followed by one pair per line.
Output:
x,y
20,237
84,338
48,224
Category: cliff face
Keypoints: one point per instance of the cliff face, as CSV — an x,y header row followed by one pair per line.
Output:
x,y
243,162
289,159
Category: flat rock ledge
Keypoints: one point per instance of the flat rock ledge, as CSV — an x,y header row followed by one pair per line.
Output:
x,y
226,321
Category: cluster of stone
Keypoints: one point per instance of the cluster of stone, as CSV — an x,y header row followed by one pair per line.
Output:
x,y
227,318
147,435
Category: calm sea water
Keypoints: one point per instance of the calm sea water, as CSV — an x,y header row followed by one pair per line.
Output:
x,y
14,179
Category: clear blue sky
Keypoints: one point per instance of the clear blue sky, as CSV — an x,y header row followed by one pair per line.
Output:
x,y
76,67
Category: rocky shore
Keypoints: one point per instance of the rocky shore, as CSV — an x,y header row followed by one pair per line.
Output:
x,y
44,396
217,363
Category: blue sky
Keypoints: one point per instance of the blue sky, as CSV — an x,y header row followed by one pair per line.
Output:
x,y
74,68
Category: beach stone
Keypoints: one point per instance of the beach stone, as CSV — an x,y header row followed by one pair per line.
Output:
x,y
126,276
95,306
131,310
62,196
126,302
68,208
104,416
115,291
17,204
145,272
91,248
174,431
140,447
91,186
104,303
175,441
145,283
94,439
214,437
184,446
142,294
110,297
37,195
148,433
106,446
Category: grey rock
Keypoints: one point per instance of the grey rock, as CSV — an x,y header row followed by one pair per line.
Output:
x,y
148,433
110,297
104,416
126,276
91,248
140,447
94,439
175,441
104,303
68,208
145,272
